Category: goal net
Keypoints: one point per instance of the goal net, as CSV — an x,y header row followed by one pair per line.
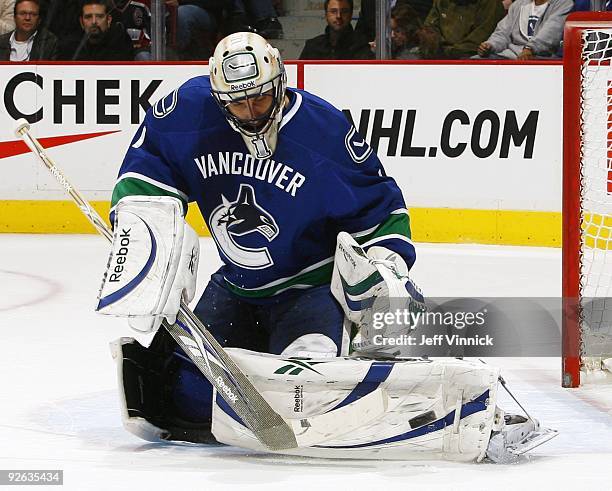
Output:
x,y
587,198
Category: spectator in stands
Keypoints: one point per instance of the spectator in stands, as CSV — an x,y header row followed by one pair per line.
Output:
x,y
366,23
340,41
532,28
262,15
62,19
455,28
198,22
405,25
27,42
103,40
135,16
592,5
7,24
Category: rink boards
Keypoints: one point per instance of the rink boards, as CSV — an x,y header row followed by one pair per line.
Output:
x,y
476,148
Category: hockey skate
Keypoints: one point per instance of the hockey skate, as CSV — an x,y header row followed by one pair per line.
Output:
x,y
513,435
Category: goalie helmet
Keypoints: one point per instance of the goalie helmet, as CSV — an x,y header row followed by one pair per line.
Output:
x,y
248,82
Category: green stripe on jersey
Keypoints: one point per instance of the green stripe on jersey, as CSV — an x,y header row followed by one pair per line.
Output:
x,y
316,277
394,224
132,186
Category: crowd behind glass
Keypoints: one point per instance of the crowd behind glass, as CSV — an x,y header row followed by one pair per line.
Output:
x,y
121,30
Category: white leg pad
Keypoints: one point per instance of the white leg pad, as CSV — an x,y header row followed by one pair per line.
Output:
x,y
412,413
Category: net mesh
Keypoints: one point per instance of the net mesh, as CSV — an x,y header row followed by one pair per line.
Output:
x,y
596,199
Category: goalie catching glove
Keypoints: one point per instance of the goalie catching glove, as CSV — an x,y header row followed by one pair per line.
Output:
x,y
370,285
153,262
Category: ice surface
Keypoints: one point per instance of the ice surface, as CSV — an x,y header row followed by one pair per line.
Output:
x,y
59,410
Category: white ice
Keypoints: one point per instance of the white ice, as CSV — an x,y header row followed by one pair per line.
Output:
x,y
59,409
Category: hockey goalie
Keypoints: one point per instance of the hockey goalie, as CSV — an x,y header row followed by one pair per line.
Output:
x,y
315,240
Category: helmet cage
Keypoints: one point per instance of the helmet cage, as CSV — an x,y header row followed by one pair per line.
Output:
x,y
253,126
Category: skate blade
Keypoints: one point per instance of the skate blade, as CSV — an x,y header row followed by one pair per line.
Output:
x,y
533,440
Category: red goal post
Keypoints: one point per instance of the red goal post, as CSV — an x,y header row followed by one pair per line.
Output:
x,y
587,196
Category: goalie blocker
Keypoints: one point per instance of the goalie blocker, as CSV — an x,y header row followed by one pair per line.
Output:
x,y
153,262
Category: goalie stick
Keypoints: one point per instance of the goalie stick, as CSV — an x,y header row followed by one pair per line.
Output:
x,y
270,428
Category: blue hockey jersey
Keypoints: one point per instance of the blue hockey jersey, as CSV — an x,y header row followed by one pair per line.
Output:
x,y
275,220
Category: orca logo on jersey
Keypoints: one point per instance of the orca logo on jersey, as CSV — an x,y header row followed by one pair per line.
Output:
x,y
165,105
357,147
238,218
240,66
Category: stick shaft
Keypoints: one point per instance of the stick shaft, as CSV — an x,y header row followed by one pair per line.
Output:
x,y
93,216
197,342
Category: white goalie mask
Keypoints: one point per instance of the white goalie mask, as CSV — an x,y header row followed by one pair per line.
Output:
x,y
248,82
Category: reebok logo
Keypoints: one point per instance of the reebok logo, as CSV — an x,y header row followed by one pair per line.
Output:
x,y
192,260
298,397
121,255
347,255
226,390
244,85
18,147
296,365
